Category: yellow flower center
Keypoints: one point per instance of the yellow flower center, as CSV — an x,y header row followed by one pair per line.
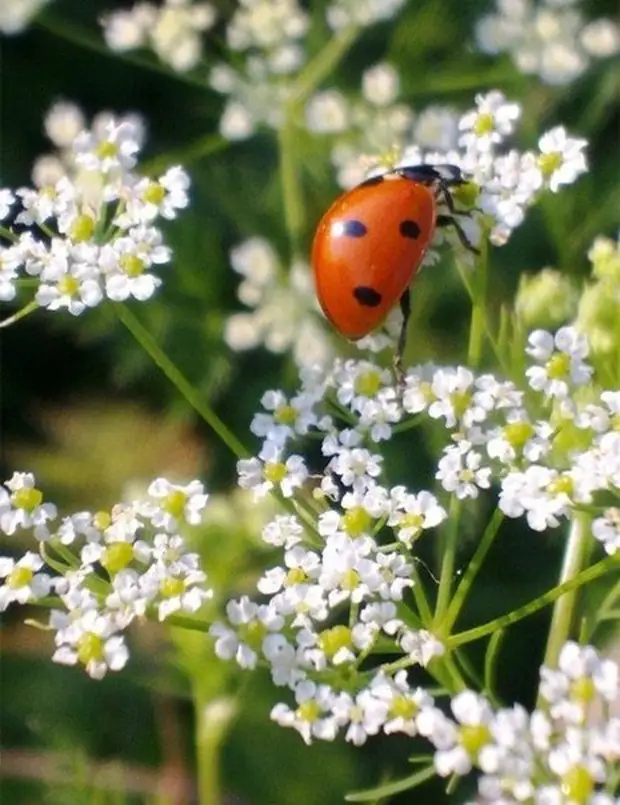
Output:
x,y
27,498
174,504
518,433
285,415
132,265
170,588
19,577
461,401
583,690
548,164
308,711
334,639
484,124
154,193
412,520
68,285
102,520
89,648
106,149
117,556
473,737
295,576
558,366
350,580
356,521
577,785
275,472
402,707
82,229
368,383
253,633
561,486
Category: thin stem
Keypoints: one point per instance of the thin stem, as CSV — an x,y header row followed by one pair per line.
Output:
x,y
586,576
473,567
25,311
323,64
563,612
292,194
83,38
202,147
478,324
193,397
448,562
419,594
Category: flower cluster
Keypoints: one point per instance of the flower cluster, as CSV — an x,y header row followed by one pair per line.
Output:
x,y
283,315
173,30
111,566
86,231
550,39
338,595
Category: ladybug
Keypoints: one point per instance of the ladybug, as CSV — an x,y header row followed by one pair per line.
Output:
x,y
370,244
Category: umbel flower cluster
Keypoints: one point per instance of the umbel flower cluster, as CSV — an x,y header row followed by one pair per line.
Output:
x,y
86,230
344,592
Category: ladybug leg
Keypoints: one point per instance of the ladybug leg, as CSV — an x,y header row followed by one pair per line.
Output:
x,y
405,306
450,220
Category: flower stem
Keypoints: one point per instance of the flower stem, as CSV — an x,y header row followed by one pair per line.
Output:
x,y
593,572
472,571
193,397
292,195
323,64
448,562
478,312
213,719
563,611
25,311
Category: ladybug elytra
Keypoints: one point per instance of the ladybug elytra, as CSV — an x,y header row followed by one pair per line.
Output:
x,y
371,242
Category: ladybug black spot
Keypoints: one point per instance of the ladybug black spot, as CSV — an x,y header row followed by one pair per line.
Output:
x,y
367,296
409,229
353,228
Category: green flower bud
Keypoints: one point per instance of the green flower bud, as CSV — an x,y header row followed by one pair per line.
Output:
x,y
546,299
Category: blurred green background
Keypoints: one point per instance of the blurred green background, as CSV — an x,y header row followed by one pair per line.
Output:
x,y
76,393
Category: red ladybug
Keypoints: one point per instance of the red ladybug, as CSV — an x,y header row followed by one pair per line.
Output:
x,y
370,243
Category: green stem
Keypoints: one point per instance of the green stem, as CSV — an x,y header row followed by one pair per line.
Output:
x,y
193,397
323,64
585,577
390,789
292,194
83,38
448,563
419,594
202,147
482,318
213,720
472,571
478,313
25,311
563,612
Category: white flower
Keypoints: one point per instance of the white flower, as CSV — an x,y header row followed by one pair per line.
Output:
x,y
24,507
460,471
268,471
561,158
22,581
327,112
313,717
175,503
380,84
491,121
562,358
411,514
91,639
606,529
250,625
